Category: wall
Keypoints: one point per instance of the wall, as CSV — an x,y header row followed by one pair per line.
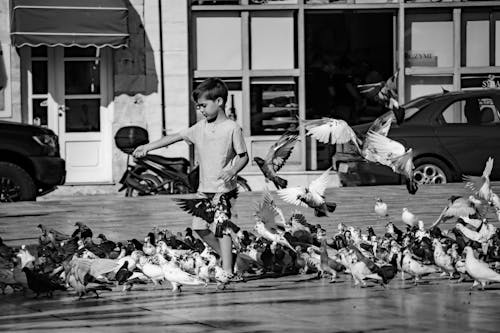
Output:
x,y
137,71
10,81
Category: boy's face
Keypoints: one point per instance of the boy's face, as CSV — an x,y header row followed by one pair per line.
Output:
x,y
208,108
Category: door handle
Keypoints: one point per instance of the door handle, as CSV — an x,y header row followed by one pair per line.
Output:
x,y
61,109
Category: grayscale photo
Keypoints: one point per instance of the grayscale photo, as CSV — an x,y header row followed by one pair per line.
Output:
x,y
249,166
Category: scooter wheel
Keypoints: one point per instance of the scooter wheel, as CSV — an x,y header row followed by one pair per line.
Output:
x,y
150,182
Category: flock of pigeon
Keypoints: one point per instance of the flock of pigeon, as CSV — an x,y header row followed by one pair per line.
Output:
x,y
277,245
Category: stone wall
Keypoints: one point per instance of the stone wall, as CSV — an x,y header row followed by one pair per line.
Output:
x,y
137,75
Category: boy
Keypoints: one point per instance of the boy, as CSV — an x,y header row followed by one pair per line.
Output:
x,y
221,153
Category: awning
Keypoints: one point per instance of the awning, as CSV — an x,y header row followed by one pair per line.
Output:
x,y
81,23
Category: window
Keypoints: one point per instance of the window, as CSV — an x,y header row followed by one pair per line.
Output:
x,y
423,51
274,107
218,42
273,41
473,111
417,86
476,36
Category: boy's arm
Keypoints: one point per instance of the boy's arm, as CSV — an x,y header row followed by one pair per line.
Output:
x,y
240,161
165,141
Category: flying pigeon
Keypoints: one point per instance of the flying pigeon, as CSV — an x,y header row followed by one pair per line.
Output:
x,y
276,157
481,185
310,196
383,150
205,208
329,130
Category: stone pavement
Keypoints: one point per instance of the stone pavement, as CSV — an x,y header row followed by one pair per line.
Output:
x,y
292,303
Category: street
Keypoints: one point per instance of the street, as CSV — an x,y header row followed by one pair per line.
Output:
x,y
298,303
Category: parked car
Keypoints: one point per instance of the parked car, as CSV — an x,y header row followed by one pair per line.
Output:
x,y
30,164
451,133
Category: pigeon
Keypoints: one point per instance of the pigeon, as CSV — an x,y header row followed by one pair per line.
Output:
x,y
6,252
415,268
39,283
382,124
442,259
383,150
382,91
408,218
82,274
457,206
265,225
205,208
332,131
481,185
280,217
479,270
380,208
176,276
311,196
152,271
123,274
276,158
82,231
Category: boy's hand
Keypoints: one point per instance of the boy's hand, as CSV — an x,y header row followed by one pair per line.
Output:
x,y
226,175
140,151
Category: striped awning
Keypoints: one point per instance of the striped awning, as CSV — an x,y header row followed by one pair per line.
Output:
x,y
68,23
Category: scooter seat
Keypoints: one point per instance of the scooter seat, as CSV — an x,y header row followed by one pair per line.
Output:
x,y
179,163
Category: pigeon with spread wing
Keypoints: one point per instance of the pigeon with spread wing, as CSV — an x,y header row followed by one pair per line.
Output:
x,y
381,91
276,157
266,227
205,208
329,130
381,149
481,185
310,196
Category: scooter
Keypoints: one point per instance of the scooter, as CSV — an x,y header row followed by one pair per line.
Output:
x,y
155,174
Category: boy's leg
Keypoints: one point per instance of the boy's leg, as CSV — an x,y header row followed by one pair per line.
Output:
x,y
226,245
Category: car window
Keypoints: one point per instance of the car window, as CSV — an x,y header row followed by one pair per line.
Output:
x,y
472,110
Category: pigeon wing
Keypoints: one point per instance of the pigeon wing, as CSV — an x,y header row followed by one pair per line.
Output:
x,y
335,131
382,124
281,150
404,164
102,266
201,208
267,215
318,186
290,195
488,167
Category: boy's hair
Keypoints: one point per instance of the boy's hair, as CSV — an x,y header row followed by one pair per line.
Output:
x,y
211,89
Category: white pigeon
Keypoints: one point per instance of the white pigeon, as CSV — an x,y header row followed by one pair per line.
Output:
x,y
360,272
310,196
380,208
415,268
479,270
442,259
481,185
408,217
380,149
329,130
176,276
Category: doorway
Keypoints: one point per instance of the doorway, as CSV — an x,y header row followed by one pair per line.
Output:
x,y
67,89
345,49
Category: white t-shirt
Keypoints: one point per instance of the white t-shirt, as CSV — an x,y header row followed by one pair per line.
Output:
x,y
216,145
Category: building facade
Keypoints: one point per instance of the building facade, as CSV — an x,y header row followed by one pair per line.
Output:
x,y
282,60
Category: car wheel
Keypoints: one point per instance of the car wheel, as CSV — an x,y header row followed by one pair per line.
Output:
x,y
429,170
15,184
